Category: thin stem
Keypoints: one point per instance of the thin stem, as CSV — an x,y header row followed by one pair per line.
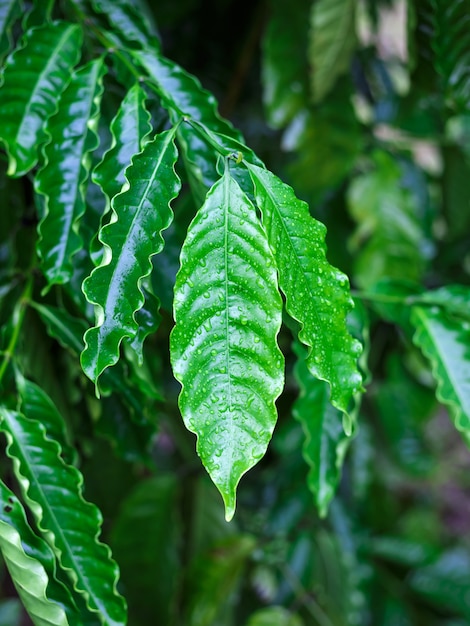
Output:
x,y
382,297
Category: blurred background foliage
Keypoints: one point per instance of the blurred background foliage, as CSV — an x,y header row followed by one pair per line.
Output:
x,y
364,108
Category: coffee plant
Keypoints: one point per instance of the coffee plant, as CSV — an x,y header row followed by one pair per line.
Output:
x,y
175,330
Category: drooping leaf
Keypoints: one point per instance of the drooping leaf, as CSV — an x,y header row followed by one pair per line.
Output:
x,y
71,525
332,43
33,79
129,129
445,342
10,10
62,180
223,347
325,442
145,540
36,548
317,294
130,240
285,65
127,21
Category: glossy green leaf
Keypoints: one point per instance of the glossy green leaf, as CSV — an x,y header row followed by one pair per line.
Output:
x,y
25,556
145,540
38,405
10,10
33,79
325,442
332,43
62,180
148,320
53,490
285,65
129,128
127,21
445,341
36,548
317,294
454,299
130,240
223,347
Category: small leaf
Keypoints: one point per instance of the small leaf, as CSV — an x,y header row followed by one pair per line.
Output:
x,y
129,128
325,442
62,180
130,240
317,294
445,341
332,43
34,77
223,347
30,562
53,490
274,616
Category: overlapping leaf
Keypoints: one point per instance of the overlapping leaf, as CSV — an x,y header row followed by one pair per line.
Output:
x,y
70,524
29,561
33,79
61,180
325,442
317,294
129,129
332,42
127,21
445,341
9,12
223,348
130,239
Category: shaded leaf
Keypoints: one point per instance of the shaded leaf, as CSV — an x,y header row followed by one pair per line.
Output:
x,y
317,294
445,341
145,540
285,65
10,10
223,347
453,299
325,442
33,79
130,239
70,524
27,557
62,180
128,21
274,616
332,43
129,128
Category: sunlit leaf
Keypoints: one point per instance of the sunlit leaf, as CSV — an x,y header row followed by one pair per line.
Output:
x,y
131,238
445,341
127,21
33,79
223,348
317,294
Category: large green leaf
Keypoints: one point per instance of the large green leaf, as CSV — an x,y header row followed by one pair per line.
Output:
x,y
285,65
131,238
223,347
317,294
332,42
129,128
34,77
325,442
53,490
62,180
30,562
446,343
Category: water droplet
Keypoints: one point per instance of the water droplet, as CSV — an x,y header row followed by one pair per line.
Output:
x,y
190,283
244,321
213,352
207,295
